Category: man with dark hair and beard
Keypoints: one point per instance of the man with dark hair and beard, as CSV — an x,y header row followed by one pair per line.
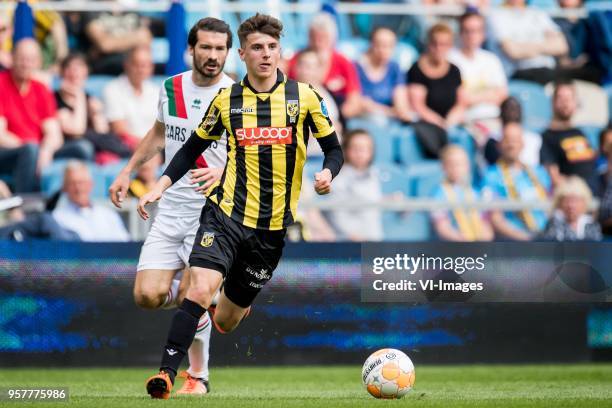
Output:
x,y
566,151
165,253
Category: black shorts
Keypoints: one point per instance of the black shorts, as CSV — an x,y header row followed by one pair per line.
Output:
x,y
245,256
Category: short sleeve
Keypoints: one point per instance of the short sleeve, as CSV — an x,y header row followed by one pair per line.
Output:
x,y
397,78
318,116
352,78
48,106
498,75
161,102
211,126
454,76
111,96
548,152
416,76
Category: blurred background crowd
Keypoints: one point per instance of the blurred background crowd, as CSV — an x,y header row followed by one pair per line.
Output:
x,y
460,120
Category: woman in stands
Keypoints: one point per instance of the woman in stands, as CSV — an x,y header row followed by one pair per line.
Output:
x,y
81,115
434,90
382,83
571,219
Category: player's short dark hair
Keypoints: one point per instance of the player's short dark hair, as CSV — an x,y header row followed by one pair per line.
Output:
x,y
260,23
209,24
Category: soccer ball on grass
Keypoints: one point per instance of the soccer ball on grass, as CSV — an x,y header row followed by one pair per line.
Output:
x,y
388,373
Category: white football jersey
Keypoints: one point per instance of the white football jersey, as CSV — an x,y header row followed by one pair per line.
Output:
x,y
182,105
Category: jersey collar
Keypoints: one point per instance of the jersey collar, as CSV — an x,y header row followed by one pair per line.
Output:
x,y
280,78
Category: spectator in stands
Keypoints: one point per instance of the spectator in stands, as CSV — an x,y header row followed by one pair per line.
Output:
x,y
81,115
605,207
131,99
483,77
459,224
28,118
382,82
145,179
566,150
605,151
358,181
77,212
307,71
511,111
510,179
435,91
576,63
11,215
6,33
339,73
570,220
528,41
109,36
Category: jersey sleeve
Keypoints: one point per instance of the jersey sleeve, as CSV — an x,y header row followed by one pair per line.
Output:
x,y
317,117
211,127
161,102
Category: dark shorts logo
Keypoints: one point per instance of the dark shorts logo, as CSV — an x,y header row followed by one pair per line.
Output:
x,y
207,239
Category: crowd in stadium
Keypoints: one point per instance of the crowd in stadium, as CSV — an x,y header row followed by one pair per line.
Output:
x,y
510,104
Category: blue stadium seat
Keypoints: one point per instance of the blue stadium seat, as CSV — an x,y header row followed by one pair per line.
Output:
x,y
592,133
543,4
534,101
413,226
52,179
96,83
160,50
352,48
408,148
405,55
384,141
394,179
426,176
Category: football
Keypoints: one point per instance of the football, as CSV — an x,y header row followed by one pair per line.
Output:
x,y
388,373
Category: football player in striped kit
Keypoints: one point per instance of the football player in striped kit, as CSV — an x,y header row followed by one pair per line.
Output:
x,y
165,253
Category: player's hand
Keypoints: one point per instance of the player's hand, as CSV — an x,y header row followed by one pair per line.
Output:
x,y
118,190
323,180
208,176
150,197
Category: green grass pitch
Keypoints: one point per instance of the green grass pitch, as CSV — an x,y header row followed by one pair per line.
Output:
x,y
436,386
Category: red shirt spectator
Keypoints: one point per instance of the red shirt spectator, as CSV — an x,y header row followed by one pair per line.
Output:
x,y
25,112
341,78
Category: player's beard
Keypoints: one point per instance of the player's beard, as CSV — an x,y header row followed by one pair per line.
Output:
x,y
201,68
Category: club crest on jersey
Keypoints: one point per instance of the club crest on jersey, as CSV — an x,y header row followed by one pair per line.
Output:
x,y
292,110
207,239
211,118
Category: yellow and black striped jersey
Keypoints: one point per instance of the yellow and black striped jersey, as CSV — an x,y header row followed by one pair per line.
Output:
x,y
267,137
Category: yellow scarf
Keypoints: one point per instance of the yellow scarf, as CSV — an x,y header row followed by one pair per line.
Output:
x,y
525,215
468,221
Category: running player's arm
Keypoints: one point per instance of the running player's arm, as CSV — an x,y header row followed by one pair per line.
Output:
x,y
153,143
210,129
322,129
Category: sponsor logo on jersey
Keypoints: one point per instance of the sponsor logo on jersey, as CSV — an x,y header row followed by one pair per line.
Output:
x,y
248,109
196,104
207,239
292,110
264,136
176,133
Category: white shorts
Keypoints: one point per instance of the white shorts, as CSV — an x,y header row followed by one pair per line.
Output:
x,y
169,242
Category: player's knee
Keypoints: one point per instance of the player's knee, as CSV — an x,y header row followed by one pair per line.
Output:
x,y
200,294
227,325
148,297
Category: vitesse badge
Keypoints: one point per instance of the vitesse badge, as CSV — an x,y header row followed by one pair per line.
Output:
x,y
207,239
211,118
292,110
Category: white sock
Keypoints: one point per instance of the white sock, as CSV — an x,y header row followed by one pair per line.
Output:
x,y
198,352
170,301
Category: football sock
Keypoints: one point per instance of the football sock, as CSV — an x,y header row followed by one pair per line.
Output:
x,y
170,301
182,331
198,352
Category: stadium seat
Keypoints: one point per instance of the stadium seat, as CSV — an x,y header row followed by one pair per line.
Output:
x,y
394,179
384,142
425,176
96,83
592,133
352,48
405,55
414,226
534,101
52,179
408,148
160,50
